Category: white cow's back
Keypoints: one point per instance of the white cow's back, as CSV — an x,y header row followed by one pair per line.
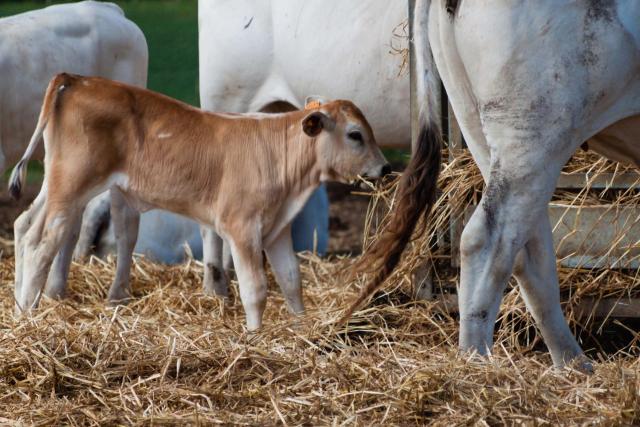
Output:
x,y
88,38
253,53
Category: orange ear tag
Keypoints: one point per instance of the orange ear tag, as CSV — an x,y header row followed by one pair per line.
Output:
x,y
312,105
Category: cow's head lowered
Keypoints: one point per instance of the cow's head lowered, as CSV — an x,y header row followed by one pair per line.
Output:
x,y
346,147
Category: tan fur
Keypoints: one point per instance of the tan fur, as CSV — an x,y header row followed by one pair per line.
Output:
x,y
243,175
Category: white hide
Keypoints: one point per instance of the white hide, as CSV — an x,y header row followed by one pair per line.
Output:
x,y
529,82
88,38
162,237
257,52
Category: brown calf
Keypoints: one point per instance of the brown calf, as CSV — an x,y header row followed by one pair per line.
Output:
x,y
244,175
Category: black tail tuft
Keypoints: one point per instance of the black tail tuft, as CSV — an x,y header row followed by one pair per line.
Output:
x,y
15,182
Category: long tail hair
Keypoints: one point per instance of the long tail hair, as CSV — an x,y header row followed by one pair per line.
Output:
x,y
417,189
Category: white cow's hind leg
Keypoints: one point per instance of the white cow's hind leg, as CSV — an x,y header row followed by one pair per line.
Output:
x,y
126,221
215,280
515,198
287,270
247,258
535,270
57,281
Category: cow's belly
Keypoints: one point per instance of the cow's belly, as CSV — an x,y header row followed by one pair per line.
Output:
x,y
619,142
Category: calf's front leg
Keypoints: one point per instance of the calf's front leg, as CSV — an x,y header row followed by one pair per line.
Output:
x,y
247,258
286,268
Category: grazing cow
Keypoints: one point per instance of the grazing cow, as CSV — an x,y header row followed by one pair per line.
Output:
x,y
244,175
267,55
529,82
87,38
163,237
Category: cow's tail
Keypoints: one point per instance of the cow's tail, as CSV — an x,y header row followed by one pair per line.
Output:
x,y
417,189
19,173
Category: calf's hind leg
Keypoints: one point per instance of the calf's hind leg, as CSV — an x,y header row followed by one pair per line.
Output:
x,y
125,224
20,227
41,243
57,280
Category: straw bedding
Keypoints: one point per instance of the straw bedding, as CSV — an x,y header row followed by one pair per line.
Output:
x,y
175,355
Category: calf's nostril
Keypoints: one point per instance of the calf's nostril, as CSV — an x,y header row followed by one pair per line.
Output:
x,y
386,170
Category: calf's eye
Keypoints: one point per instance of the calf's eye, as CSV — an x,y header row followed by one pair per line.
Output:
x,y
355,135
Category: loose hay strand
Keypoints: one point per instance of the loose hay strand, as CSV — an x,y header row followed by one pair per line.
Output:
x,y
175,355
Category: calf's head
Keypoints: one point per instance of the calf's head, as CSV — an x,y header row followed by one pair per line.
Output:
x,y
345,145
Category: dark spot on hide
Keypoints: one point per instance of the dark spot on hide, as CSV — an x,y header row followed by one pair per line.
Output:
x,y
600,10
136,117
451,6
494,105
215,272
497,190
481,315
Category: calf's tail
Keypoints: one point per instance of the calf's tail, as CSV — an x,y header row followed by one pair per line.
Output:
x,y
19,173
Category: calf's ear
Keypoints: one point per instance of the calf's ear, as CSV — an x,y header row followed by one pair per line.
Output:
x,y
314,122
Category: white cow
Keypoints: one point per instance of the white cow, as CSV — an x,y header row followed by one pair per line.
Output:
x,y
529,82
89,38
267,55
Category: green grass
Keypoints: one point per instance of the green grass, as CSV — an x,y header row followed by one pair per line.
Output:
x,y
398,157
34,176
171,29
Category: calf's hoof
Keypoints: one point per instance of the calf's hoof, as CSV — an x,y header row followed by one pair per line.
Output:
x,y
580,363
297,311
217,290
119,298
